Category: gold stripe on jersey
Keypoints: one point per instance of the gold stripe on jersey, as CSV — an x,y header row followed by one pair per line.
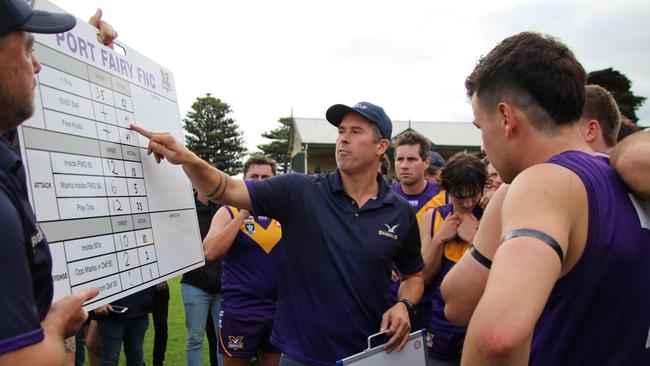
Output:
x,y
435,201
453,249
267,238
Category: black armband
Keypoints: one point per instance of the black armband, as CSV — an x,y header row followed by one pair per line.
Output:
x,y
480,257
536,234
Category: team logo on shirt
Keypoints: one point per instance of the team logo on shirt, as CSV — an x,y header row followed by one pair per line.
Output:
x,y
390,233
249,225
37,237
414,203
235,343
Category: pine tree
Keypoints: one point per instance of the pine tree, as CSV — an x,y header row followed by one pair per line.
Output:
x,y
619,85
214,136
278,148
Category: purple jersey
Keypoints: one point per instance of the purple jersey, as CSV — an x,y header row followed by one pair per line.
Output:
x,y
249,281
452,252
599,312
432,197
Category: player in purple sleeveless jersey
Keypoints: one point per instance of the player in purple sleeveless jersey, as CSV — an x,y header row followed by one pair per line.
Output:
x,y
464,284
599,125
451,229
411,161
249,248
566,283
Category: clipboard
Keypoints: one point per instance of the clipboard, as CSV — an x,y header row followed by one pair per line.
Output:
x,y
414,353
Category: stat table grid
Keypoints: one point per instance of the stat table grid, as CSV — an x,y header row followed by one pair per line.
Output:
x,y
85,165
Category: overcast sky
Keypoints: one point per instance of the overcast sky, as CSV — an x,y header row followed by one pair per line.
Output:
x,y
267,58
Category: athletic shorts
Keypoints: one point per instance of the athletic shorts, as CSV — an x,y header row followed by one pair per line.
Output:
x,y
445,346
244,335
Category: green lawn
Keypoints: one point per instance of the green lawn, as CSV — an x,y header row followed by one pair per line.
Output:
x,y
175,354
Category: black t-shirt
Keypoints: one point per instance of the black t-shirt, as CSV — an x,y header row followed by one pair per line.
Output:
x,y
208,277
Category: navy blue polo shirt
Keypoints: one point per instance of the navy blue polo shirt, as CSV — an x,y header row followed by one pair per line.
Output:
x,y
25,263
336,264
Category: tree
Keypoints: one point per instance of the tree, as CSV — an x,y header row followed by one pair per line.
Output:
x,y
214,136
278,148
619,85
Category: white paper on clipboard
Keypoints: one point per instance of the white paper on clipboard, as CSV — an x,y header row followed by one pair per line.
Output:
x,y
414,353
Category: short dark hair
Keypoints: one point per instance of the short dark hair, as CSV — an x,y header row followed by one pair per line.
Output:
x,y
384,165
534,72
601,106
464,175
259,159
414,138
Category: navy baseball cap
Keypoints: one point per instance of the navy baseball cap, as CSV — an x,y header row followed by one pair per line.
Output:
x,y
437,161
19,15
371,112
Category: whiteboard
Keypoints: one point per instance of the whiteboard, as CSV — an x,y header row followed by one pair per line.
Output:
x,y
114,220
414,353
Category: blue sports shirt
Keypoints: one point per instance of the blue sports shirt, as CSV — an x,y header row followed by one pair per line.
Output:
x,y
336,262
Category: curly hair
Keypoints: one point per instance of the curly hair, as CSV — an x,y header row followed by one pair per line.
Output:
x,y
464,175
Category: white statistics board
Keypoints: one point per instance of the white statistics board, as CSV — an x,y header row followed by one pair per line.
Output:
x,y
113,218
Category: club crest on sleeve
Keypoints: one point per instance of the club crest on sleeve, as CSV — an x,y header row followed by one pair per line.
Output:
x,y
235,343
390,232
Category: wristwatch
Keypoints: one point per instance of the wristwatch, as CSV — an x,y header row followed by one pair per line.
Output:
x,y
409,306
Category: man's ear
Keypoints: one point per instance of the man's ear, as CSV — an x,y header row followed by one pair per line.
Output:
x,y
507,117
593,131
382,146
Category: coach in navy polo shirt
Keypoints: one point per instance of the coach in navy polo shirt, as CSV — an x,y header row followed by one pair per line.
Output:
x,y
342,232
31,331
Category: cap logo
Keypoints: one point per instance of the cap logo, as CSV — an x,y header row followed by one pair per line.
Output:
x,y
361,106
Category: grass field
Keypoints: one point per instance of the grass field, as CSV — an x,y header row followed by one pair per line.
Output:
x,y
175,355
